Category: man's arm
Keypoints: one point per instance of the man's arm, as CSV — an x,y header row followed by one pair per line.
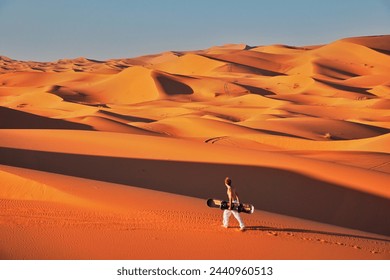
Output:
x,y
230,200
237,198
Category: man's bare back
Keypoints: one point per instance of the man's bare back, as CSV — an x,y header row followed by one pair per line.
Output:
x,y
231,193
233,197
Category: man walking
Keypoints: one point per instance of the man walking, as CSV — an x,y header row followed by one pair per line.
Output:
x,y
233,198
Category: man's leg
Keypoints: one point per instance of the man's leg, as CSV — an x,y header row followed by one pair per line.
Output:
x,y
226,216
238,218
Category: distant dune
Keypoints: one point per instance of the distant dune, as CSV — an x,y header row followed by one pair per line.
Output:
x,y
115,159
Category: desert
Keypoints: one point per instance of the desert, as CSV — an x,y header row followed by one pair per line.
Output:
x,y
115,159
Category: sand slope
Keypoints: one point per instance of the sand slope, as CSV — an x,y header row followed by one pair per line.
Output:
x,y
111,221
122,154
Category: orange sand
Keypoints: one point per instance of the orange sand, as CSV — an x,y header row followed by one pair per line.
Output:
x,y
115,159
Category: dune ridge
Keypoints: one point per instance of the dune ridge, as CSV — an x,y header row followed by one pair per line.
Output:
x,y
123,147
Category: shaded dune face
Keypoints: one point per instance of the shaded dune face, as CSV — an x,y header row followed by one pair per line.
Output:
x,y
171,86
302,131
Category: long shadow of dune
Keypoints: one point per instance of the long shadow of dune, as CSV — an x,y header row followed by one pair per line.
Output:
x,y
257,90
274,190
125,117
346,88
333,72
10,118
386,52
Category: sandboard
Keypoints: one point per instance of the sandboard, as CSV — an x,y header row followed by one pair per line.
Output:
x,y
223,204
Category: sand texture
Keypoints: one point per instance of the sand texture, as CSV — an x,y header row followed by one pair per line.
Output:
x,y
115,159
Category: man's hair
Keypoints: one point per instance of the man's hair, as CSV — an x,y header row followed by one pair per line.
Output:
x,y
228,181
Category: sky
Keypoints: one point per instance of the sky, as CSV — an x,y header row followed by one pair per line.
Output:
x,y
47,30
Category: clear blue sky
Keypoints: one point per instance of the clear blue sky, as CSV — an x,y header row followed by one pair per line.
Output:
x,y
46,30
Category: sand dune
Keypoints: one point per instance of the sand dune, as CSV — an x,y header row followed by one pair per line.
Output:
x,y
266,177
189,64
80,64
377,43
114,159
140,227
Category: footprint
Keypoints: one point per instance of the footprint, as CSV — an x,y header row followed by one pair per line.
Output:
x,y
357,247
272,233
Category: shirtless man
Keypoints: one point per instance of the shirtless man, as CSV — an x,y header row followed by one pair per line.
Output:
x,y
233,198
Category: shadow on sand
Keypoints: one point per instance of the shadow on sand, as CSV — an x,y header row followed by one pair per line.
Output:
x,y
296,230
